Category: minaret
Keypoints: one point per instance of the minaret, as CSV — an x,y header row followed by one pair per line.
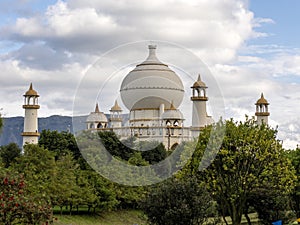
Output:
x,y
262,112
199,99
115,116
30,133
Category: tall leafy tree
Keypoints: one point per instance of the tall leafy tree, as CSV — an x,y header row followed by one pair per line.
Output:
x,y
9,153
294,156
39,169
250,158
59,142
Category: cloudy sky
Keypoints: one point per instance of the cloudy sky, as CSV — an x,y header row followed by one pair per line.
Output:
x,y
249,47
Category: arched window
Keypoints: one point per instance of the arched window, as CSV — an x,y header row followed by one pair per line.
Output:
x,y
168,123
176,123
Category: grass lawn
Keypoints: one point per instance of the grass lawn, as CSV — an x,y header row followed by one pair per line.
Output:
x,y
124,217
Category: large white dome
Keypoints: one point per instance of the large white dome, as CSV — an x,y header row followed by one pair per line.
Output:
x,y
151,84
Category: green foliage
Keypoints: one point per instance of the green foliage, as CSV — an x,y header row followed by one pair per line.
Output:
x,y
59,142
294,156
250,158
64,181
151,151
271,205
39,169
114,146
9,153
17,205
155,151
178,202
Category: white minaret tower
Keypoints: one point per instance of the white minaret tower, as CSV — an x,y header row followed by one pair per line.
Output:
x,y
31,106
199,99
262,112
115,116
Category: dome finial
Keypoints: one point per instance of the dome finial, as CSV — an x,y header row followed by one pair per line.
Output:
x,y
172,107
199,77
262,100
97,108
152,53
31,91
116,107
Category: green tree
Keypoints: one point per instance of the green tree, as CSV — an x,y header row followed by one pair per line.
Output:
x,y
115,147
64,180
250,158
176,202
294,156
39,169
270,205
59,142
17,206
155,151
9,153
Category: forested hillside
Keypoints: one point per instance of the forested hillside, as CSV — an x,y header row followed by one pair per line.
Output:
x,y
13,127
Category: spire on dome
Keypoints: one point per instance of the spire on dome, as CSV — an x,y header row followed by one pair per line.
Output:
x,y
172,107
116,107
262,100
97,108
199,83
31,91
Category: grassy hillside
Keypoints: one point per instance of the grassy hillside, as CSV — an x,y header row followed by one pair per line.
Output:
x,y
124,217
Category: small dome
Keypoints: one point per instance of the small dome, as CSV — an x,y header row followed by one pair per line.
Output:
x,y
262,100
172,113
199,83
116,107
97,116
31,92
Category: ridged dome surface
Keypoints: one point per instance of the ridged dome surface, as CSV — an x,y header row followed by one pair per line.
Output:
x,y
97,117
172,114
150,84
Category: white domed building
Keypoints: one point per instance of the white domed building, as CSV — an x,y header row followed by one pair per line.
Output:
x,y
152,93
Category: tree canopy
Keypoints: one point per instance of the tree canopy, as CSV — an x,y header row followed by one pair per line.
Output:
x,y
250,158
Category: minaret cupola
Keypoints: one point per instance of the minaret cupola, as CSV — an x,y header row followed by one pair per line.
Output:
x,y
262,112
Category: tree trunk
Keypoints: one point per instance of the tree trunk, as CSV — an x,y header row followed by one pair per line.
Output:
x,y
236,215
71,209
224,218
248,218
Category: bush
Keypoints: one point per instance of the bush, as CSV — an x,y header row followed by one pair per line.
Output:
x,y
178,202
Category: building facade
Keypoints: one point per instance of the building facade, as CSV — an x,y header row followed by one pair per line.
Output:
x,y
152,93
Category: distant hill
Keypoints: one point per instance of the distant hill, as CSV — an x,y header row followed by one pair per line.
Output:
x,y
13,126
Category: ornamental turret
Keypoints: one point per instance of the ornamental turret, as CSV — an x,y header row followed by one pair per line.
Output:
x,y
199,99
262,112
115,116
